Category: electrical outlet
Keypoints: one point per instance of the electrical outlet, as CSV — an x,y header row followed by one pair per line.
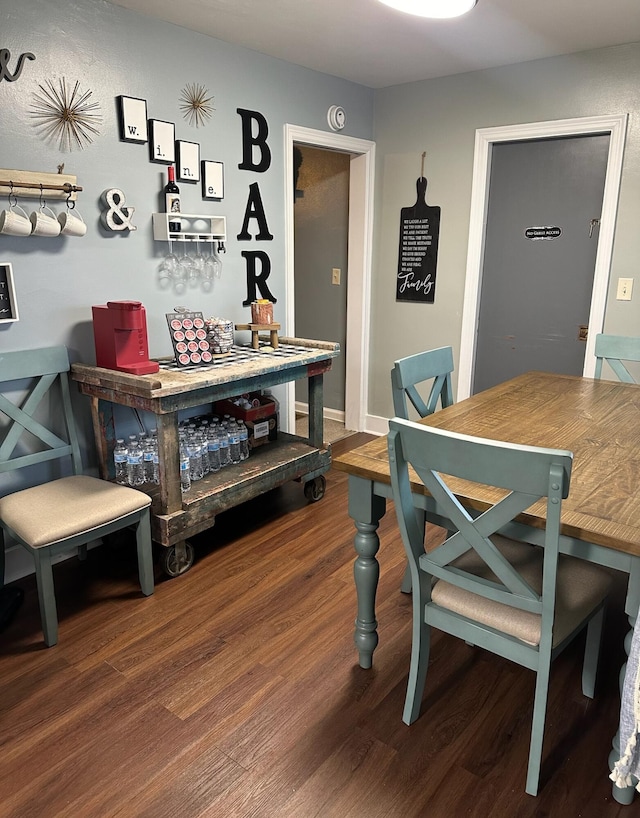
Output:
x,y
625,288
335,275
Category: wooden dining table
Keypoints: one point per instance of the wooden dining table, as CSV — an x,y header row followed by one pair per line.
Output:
x,y
597,420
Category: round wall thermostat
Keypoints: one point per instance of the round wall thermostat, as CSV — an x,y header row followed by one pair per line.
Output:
x,y
336,118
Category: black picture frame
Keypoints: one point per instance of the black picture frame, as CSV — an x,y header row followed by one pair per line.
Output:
x,y
132,114
8,302
162,141
187,161
212,180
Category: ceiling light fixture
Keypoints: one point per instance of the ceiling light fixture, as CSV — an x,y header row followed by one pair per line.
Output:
x,y
432,8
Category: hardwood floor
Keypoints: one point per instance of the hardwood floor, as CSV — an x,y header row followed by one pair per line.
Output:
x,y
235,692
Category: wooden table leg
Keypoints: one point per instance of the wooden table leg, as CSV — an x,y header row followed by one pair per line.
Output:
x,y
366,509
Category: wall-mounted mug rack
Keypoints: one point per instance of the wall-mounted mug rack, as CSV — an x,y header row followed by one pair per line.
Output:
x,y
32,184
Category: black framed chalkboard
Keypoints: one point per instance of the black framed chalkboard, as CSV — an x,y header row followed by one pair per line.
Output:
x,y
418,249
8,303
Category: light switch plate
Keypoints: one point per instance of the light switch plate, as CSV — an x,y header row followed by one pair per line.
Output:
x,y
625,288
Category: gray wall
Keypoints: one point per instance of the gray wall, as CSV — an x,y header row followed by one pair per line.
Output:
x,y
113,51
440,117
321,230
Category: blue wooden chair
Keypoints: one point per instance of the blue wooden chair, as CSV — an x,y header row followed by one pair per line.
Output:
x,y
614,349
67,512
435,365
520,601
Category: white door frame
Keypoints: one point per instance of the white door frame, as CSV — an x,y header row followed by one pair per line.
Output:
x,y
616,127
361,193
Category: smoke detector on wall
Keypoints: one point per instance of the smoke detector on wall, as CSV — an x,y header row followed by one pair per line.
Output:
x,y
336,118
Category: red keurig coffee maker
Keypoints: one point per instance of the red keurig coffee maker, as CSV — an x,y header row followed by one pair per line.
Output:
x,y
120,333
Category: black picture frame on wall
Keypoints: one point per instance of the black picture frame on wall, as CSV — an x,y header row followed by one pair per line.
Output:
x,y
212,180
162,141
187,161
8,303
132,113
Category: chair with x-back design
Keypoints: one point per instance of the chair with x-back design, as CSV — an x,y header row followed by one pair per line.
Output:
x,y
518,600
434,366
70,509
614,349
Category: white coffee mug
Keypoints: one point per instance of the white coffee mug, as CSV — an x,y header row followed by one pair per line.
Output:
x,y
15,221
71,223
44,222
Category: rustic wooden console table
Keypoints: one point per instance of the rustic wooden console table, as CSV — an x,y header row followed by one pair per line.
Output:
x,y
176,517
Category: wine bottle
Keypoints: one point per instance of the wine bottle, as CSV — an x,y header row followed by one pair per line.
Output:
x,y
172,201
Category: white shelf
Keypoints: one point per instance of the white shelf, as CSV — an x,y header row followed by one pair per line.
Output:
x,y
194,227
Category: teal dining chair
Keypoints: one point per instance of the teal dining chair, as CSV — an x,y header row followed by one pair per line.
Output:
x,y
69,509
436,366
521,601
614,349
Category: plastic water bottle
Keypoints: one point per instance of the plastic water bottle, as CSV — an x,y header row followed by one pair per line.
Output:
x,y
194,450
120,462
213,448
156,461
135,467
234,442
244,440
147,458
223,435
185,475
203,432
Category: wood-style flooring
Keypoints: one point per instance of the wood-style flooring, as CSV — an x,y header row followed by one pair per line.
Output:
x,y
235,692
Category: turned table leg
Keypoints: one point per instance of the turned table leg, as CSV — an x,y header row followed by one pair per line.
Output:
x,y
366,509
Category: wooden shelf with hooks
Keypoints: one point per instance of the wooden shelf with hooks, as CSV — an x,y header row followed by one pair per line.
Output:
x,y
26,183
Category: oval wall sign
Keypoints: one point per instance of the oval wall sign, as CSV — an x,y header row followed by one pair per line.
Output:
x,y
542,233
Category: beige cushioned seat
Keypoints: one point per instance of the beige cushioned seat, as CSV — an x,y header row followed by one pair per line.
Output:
x,y
54,511
580,585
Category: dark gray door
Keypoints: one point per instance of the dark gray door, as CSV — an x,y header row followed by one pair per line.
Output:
x,y
539,256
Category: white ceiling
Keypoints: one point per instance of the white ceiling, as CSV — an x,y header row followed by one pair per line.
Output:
x,y
371,44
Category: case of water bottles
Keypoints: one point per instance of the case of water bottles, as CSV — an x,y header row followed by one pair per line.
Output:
x,y
207,444
258,411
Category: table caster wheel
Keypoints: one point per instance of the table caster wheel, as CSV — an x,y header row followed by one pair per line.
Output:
x,y
314,489
177,559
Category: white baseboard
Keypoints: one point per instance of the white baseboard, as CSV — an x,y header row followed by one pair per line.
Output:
x,y
19,562
329,414
376,425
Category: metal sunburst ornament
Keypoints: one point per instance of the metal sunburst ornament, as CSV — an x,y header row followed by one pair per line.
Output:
x,y
66,115
196,105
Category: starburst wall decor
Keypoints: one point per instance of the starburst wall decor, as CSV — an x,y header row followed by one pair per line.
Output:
x,y
196,105
66,116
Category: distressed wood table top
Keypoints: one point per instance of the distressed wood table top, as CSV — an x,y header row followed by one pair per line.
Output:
x,y
597,420
241,370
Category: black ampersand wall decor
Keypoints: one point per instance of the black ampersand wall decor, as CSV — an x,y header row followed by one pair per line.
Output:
x,y
5,56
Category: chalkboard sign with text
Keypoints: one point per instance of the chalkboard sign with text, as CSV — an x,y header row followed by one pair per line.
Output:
x,y
418,250
8,303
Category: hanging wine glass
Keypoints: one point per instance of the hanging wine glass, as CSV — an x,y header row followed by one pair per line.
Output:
x,y
197,263
217,270
185,265
209,268
169,263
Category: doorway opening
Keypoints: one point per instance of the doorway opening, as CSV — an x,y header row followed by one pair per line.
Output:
x,y
615,127
361,154
321,240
